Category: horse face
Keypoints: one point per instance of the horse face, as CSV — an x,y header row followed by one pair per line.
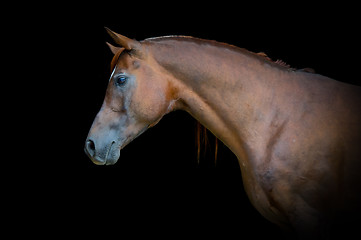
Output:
x,y
136,99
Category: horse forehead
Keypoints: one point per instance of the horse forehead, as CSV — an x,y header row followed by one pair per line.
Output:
x,y
127,62
123,61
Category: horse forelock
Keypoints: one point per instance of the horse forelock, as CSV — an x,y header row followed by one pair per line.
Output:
x,y
115,59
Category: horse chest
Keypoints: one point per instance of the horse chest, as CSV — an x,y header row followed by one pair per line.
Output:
x,y
261,188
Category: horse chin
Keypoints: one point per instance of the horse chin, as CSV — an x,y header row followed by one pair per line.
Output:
x,y
111,161
113,155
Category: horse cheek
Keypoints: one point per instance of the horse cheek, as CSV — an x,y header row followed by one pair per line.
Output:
x,y
149,104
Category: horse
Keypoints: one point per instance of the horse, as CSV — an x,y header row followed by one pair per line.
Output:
x,y
296,134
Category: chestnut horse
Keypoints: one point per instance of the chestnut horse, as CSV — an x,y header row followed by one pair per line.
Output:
x,y
296,134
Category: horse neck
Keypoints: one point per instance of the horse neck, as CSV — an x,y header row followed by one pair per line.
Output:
x,y
223,87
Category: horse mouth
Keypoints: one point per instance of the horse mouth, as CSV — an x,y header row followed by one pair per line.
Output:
x,y
111,156
108,160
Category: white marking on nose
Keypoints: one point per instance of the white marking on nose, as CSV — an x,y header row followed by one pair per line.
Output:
x,y
111,75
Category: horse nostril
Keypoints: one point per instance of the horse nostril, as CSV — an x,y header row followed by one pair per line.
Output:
x,y
90,147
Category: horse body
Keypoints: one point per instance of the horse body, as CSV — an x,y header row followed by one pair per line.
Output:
x,y
296,134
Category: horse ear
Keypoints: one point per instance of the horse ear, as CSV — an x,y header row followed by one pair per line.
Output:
x,y
127,43
114,49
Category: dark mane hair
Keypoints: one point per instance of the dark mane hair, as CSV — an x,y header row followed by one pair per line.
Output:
x,y
203,141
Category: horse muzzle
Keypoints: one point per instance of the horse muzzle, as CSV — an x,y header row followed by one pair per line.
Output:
x,y
107,154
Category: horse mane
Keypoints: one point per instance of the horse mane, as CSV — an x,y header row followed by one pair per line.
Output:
x,y
260,55
278,61
284,64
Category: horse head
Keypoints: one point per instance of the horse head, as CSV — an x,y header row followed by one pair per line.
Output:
x,y
137,97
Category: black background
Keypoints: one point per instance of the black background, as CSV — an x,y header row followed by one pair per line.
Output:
x,y
157,188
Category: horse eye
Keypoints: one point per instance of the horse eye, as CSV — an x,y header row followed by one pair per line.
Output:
x,y
120,80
